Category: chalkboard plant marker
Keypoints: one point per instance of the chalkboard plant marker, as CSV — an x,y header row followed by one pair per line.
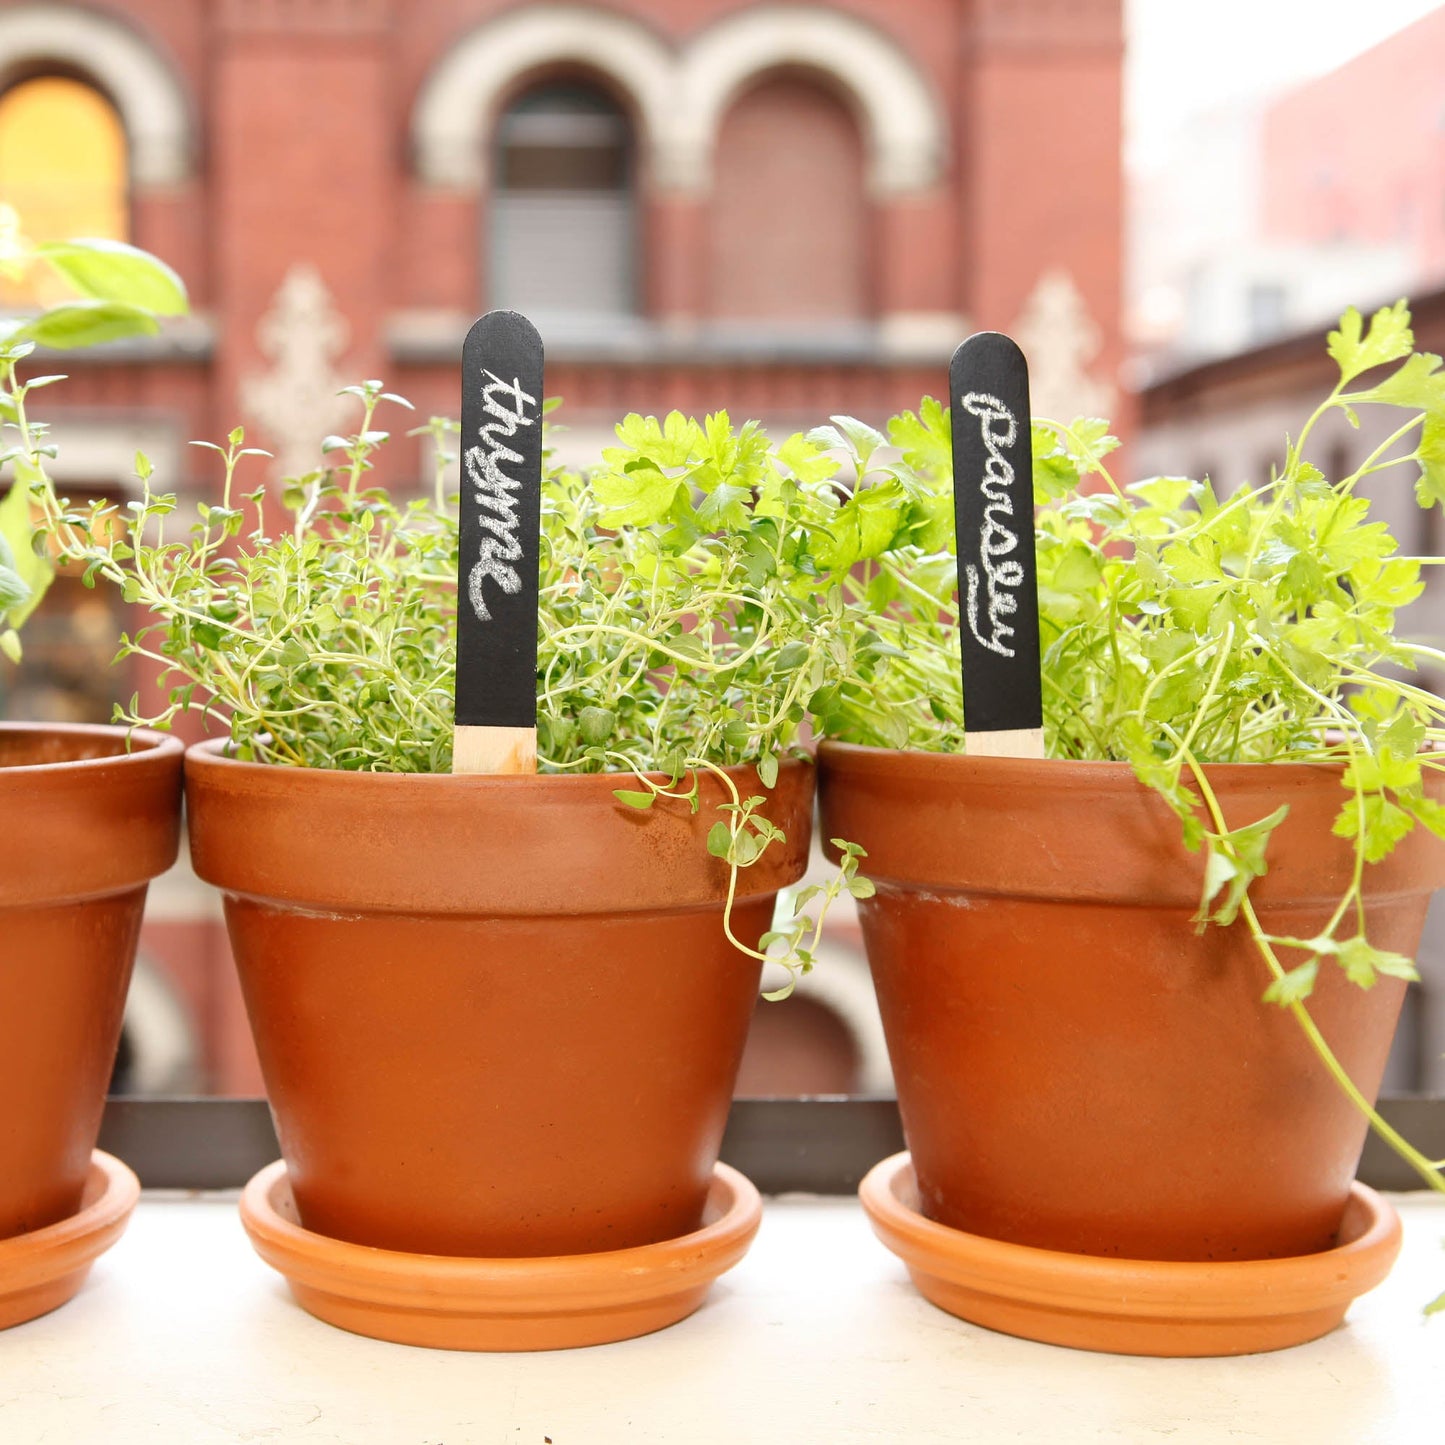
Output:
x,y
498,538
993,499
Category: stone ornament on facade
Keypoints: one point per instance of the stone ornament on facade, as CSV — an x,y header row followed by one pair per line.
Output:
x,y
680,97
151,100
1060,339
296,400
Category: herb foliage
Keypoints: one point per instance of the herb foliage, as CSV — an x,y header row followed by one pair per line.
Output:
x,y
692,611
1182,627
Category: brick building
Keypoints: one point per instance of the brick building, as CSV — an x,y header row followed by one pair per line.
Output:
x,y
1274,213
787,210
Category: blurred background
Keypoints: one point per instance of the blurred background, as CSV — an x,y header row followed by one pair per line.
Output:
x,y
787,210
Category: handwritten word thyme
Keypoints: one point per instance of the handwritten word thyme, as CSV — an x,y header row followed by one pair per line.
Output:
x,y
494,491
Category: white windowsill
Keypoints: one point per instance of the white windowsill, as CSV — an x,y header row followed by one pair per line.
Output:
x,y
183,1335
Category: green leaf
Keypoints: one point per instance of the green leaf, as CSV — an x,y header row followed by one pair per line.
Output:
x,y
113,271
597,725
791,656
862,438
638,497
1430,488
1362,962
1294,986
1089,442
634,799
79,324
1166,494
1384,825
33,569
1388,339
13,588
1219,870
724,507
1418,383
1233,861
719,840
768,770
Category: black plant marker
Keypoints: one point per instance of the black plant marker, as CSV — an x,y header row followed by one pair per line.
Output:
x,y
993,500
499,525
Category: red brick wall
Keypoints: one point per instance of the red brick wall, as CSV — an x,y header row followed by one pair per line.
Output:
x,y
789,222
302,112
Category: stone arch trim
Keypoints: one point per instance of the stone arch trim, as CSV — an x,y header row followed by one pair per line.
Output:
x,y
460,97
145,90
903,121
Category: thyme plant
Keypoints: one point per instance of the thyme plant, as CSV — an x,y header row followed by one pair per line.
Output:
x,y
1182,627
692,609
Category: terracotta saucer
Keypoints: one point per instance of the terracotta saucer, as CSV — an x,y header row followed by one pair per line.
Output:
x,y
1132,1306
549,1303
40,1270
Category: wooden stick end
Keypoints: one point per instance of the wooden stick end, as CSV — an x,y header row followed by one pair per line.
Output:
x,y
494,750
1006,743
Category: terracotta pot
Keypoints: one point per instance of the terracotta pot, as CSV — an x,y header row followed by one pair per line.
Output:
x,y
1078,1067
496,1016
87,824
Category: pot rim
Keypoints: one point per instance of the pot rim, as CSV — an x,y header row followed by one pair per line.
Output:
x,y
330,839
153,745
1093,831
1060,771
212,753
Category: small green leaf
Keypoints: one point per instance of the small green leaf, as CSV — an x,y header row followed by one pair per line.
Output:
x,y
719,840
1388,339
597,725
1294,986
33,567
634,799
13,588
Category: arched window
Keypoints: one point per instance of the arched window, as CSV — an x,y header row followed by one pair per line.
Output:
x,y
63,167
789,208
564,224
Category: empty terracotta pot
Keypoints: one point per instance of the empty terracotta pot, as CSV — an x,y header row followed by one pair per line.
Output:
x,y
90,814
1078,1067
497,1016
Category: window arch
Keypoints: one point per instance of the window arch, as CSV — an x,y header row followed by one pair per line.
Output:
x,y
564,224
64,168
63,162
148,94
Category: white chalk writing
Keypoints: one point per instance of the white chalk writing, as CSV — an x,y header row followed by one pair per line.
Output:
x,y
997,538
494,491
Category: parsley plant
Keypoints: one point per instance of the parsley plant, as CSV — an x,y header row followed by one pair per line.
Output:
x,y
1181,627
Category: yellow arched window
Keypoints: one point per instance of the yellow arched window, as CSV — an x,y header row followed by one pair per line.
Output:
x,y
63,167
